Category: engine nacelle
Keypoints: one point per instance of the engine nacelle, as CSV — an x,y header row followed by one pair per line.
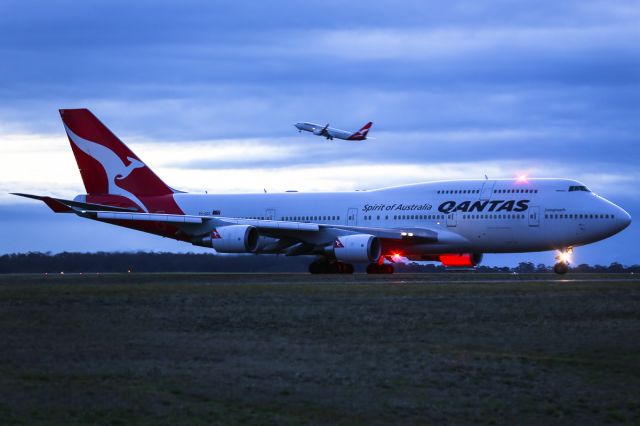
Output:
x,y
357,248
461,260
235,239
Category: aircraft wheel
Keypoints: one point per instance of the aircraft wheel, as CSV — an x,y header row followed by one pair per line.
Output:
x,y
316,268
322,266
346,268
373,268
560,268
333,268
385,268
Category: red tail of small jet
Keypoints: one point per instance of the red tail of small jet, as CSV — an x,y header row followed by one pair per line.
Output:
x,y
361,134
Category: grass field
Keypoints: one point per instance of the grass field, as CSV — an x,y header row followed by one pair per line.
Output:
x,y
299,349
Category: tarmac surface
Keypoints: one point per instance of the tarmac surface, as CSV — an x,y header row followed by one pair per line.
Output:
x,y
458,348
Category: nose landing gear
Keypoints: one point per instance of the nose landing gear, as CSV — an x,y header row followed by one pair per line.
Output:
x,y
562,261
561,268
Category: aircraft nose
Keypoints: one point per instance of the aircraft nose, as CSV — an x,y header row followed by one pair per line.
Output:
x,y
623,218
297,126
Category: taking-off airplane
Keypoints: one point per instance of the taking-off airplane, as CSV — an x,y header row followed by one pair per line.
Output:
x,y
454,222
330,132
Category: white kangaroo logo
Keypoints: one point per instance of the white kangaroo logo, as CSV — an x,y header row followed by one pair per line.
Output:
x,y
112,164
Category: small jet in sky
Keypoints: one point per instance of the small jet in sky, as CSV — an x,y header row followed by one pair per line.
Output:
x,y
330,132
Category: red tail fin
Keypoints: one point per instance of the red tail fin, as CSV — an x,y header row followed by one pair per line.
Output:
x,y
106,165
365,128
362,133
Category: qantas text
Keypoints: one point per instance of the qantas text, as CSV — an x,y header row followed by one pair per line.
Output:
x,y
481,206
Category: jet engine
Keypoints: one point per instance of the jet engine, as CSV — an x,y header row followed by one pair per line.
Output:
x,y
461,260
357,248
235,239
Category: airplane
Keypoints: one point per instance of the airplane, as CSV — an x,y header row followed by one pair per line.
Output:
x,y
454,222
330,132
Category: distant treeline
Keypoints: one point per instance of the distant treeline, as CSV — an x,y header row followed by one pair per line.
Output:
x,y
36,262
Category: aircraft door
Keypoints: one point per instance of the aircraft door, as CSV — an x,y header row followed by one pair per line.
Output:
x,y
487,189
270,214
451,220
534,216
352,217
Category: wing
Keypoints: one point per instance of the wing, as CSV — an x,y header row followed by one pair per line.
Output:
x,y
285,236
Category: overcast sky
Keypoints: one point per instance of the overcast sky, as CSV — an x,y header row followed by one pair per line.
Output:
x,y
206,94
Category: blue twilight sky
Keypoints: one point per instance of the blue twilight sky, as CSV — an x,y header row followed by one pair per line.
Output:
x,y
206,93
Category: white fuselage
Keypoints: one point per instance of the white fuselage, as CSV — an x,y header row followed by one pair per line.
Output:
x,y
495,216
317,129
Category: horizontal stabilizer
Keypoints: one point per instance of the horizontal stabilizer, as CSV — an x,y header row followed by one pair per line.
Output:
x,y
59,205
52,203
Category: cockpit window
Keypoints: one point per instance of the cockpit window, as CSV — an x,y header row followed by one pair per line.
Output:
x,y
578,188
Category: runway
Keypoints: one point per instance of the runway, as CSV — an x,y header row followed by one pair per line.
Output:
x,y
294,348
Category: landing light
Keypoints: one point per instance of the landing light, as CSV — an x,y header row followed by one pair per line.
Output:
x,y
523,178
564,257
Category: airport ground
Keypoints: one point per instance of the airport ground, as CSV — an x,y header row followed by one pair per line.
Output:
x,y
300,349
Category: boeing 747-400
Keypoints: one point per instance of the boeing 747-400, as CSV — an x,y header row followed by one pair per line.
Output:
x,y
454,222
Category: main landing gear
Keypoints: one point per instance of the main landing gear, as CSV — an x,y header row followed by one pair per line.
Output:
x,y
330,267
380,268
562,261
326,266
